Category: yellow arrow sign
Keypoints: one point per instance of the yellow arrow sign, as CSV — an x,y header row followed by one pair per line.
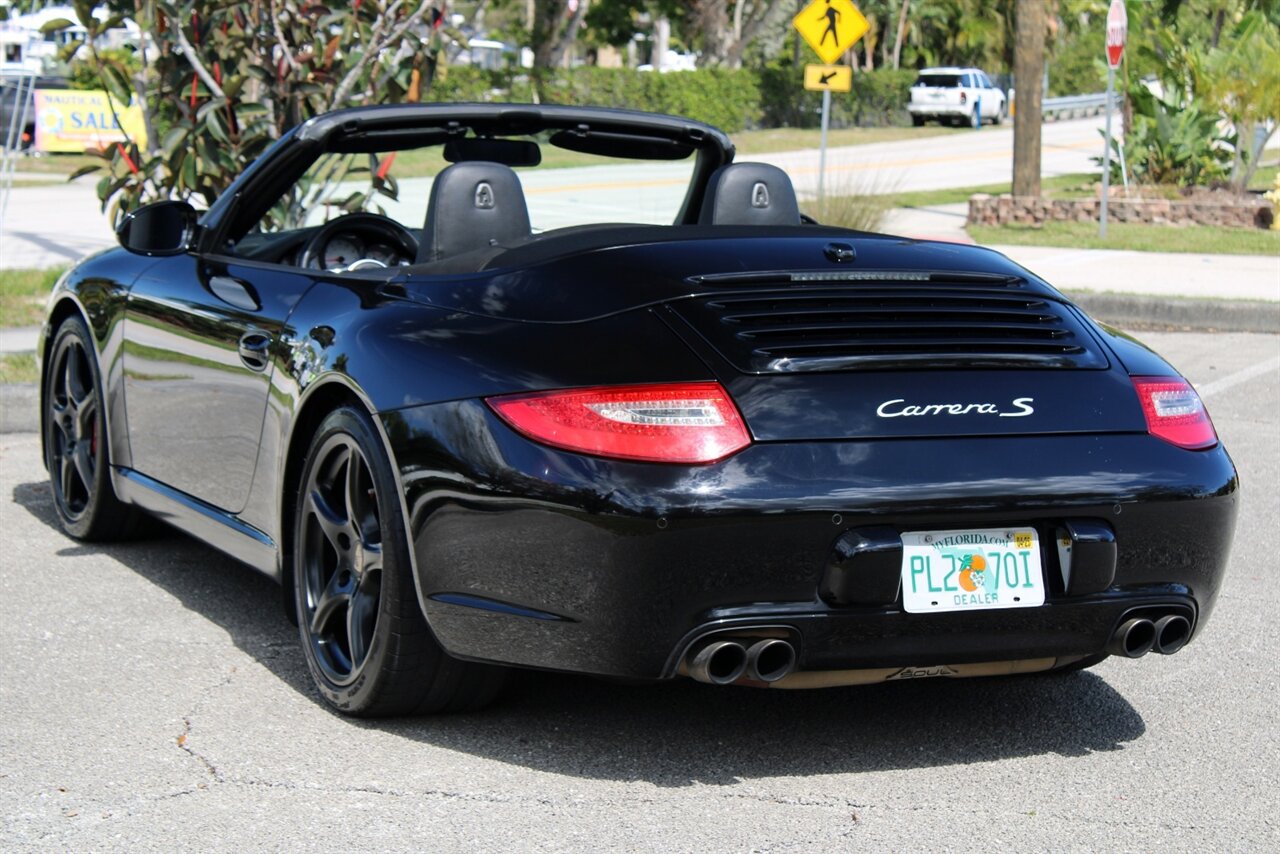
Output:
x,y
831,27
828,78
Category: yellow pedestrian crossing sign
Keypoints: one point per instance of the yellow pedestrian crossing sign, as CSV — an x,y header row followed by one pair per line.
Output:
x,y
831,27
828,78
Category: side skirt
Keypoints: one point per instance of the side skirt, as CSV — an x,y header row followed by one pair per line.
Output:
x,y
220,529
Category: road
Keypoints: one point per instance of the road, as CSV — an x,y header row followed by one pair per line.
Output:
x,y
57,224
153,698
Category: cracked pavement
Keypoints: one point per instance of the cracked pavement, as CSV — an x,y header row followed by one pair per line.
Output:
x,y
153,698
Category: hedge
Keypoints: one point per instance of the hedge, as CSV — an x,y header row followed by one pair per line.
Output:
x,y
732,100
878,99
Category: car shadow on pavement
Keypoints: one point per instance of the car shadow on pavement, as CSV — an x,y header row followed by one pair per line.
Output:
x,y
673,733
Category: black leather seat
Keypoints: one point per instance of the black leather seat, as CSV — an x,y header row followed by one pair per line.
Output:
x,y
750,194
473,205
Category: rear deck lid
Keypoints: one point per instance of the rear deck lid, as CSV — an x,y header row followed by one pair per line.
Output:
x,y
875,354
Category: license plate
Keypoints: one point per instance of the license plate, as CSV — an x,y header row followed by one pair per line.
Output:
x,y
971,570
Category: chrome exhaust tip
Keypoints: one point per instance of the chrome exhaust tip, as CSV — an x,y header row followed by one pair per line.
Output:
x,y
770,660
718,662
1133,639
1171,634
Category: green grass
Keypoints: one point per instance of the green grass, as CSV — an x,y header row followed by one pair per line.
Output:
x,y
56,164
18,368
1264,178
23,294
1076,186
793,139
1203,239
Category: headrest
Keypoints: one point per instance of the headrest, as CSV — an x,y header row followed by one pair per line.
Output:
x,y
473,205
750,194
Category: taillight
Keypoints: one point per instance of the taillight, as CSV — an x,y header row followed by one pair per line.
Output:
x,y
1175,412
963,99
667,423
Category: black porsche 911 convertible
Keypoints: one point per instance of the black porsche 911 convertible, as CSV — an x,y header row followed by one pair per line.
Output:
x,y
499,419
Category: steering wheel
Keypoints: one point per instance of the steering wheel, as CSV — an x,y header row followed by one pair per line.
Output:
x,y
363,225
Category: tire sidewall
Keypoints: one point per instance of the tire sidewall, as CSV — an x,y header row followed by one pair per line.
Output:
x,y
357,696
74,327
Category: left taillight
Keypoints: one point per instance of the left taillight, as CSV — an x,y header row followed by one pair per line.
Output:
x,y
1174,412
659,423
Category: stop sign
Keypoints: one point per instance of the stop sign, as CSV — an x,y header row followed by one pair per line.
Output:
x,y
1117,29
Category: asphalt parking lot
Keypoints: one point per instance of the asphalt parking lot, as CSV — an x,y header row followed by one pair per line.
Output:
x,y
152,697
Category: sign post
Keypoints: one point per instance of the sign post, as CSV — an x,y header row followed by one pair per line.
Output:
x,y
830,27
1117,30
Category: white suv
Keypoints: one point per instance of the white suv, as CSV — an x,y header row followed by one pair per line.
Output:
x,y
956,95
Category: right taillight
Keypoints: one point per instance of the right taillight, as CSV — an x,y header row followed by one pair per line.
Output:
x,y
1175,412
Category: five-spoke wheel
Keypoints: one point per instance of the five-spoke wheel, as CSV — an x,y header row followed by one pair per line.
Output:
x,y
341,558
73,428
366,641
75,440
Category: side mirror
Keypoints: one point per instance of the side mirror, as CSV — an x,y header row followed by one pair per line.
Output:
x,y
160,228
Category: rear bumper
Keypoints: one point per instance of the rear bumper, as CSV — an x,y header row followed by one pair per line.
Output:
x,y
940,109
534,557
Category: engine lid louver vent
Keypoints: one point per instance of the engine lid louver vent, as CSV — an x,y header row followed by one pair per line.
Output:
x,y
890,321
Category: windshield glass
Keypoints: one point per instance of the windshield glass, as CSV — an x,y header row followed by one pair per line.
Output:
x,y
567,188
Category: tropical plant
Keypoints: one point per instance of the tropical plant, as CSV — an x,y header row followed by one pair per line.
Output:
x,y
1172,140
219,82
1241,78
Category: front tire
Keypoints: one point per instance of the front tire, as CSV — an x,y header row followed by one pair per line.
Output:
x,y
75,440
366,642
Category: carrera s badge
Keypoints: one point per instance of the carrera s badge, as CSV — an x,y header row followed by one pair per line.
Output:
x,y
895,408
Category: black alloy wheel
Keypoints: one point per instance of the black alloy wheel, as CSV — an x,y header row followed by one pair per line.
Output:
x,y
366,641
75,440
341,558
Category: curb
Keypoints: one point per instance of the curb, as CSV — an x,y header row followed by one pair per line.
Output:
x,y
1200,315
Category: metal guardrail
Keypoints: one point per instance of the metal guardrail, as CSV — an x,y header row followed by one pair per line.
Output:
x,y
1074,106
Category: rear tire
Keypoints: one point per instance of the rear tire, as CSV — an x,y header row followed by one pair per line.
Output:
x,y
917,121
75,440
366,642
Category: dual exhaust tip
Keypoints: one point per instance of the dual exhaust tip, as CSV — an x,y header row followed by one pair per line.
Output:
x,y
1137,636
719,662
725,660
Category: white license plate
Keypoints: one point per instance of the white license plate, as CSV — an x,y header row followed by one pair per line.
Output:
x,y
971,570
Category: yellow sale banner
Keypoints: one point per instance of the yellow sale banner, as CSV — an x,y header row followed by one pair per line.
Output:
x,y
73,120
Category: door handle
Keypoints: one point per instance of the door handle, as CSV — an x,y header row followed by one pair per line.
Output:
x,y
255,349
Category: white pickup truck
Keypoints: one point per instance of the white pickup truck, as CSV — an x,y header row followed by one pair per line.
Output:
x,y
958,96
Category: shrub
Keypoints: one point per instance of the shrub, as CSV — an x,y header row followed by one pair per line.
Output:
x,y
1173,141
879,98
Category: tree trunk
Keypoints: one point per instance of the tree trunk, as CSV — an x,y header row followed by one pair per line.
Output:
x,y
555,29
661,42
712,19
796,41
897,41
1028,73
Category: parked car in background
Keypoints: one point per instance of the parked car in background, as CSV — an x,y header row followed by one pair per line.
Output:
x,y
16,92
957,96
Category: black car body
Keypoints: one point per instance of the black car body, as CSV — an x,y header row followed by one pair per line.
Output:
x,y
720,448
